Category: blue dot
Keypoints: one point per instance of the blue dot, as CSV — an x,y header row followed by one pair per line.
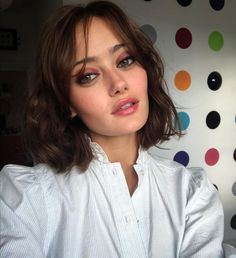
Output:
x,y
182,157
184,121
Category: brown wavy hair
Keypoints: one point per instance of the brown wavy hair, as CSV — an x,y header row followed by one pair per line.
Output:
x,y
52,137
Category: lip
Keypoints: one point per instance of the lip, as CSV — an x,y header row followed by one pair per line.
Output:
x,y
120,109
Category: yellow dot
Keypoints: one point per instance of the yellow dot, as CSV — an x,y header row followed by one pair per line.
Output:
x,y
182,80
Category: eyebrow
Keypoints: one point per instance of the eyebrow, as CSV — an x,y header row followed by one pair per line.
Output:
x,y
90,59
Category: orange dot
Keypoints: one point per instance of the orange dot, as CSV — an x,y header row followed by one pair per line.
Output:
x,y
182,80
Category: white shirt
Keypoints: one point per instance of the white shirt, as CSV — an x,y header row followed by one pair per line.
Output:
x,y
174,212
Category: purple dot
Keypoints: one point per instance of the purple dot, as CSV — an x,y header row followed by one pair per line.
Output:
x,y
217,5
182,157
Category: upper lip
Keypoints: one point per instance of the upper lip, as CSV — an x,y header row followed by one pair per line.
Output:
x,y
123,102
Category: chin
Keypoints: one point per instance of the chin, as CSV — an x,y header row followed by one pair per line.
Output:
x,y
132,129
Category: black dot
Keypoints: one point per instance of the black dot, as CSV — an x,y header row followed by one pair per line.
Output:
x,y
217,4
216,187
235,155
214,81
184,2
213,120
233,222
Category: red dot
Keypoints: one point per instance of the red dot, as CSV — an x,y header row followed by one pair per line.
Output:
x,y
183,38
212,156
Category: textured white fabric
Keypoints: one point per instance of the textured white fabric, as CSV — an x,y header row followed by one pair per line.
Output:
x,y
174,212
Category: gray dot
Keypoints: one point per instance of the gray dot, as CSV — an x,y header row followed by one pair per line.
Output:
x,y
234,189
150,31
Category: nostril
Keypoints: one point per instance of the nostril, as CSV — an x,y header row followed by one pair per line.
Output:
x,y
118,89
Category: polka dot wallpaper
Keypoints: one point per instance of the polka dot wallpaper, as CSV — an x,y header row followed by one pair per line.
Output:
x,y
197,40
197,46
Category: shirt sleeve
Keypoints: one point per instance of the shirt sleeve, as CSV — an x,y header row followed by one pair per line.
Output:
x,y
20,231
204,219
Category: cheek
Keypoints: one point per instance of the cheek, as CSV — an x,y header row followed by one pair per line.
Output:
x,y
87,105
141,79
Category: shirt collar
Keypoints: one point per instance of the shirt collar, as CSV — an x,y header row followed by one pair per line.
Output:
x,y
100,155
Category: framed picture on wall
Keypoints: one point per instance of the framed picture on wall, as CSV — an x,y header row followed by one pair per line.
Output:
x,y
8,39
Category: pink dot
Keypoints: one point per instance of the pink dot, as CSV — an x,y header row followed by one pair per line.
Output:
x,y
212,156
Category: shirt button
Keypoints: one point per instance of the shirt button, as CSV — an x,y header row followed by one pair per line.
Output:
x,y
142,173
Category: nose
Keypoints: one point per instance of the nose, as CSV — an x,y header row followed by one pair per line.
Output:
x,y
117,84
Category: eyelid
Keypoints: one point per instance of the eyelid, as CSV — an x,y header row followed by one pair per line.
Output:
x,y
83,76
125,58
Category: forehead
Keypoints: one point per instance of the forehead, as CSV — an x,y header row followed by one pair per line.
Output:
x,y
100,36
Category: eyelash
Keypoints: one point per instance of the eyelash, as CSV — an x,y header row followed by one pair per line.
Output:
x,y
86,78
89,77
123,63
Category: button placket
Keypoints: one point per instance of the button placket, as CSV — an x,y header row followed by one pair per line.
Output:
x,y
125,218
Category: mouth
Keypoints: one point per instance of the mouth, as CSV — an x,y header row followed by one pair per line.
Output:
x,y
125,107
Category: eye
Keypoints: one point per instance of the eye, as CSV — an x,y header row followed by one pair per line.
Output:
x,y
86,78
126,62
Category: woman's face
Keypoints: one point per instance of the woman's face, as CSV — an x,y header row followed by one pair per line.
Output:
x,y
110,96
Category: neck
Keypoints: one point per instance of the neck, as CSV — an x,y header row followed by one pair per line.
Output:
x,y
122,149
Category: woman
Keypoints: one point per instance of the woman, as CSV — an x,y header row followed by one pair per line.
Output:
x,y
98,102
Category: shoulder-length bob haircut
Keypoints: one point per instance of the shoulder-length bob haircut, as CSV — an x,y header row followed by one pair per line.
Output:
x,y
52,137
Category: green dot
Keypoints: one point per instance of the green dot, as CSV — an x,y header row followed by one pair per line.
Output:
x,y
216,41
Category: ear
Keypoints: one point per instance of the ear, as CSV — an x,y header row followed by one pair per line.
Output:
x,y
73,113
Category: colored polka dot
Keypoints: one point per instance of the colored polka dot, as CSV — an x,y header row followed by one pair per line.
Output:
x,y
150,31
182,157
183,38
182,80
213,120
234,189
214,81
233,222
217,4
216,41
184,121
235,155
184,2
211,157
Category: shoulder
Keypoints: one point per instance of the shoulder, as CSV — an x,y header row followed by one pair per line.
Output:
x,y
17,181
166,167
193,179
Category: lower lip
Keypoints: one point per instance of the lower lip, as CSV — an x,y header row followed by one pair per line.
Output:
x,y
128,111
